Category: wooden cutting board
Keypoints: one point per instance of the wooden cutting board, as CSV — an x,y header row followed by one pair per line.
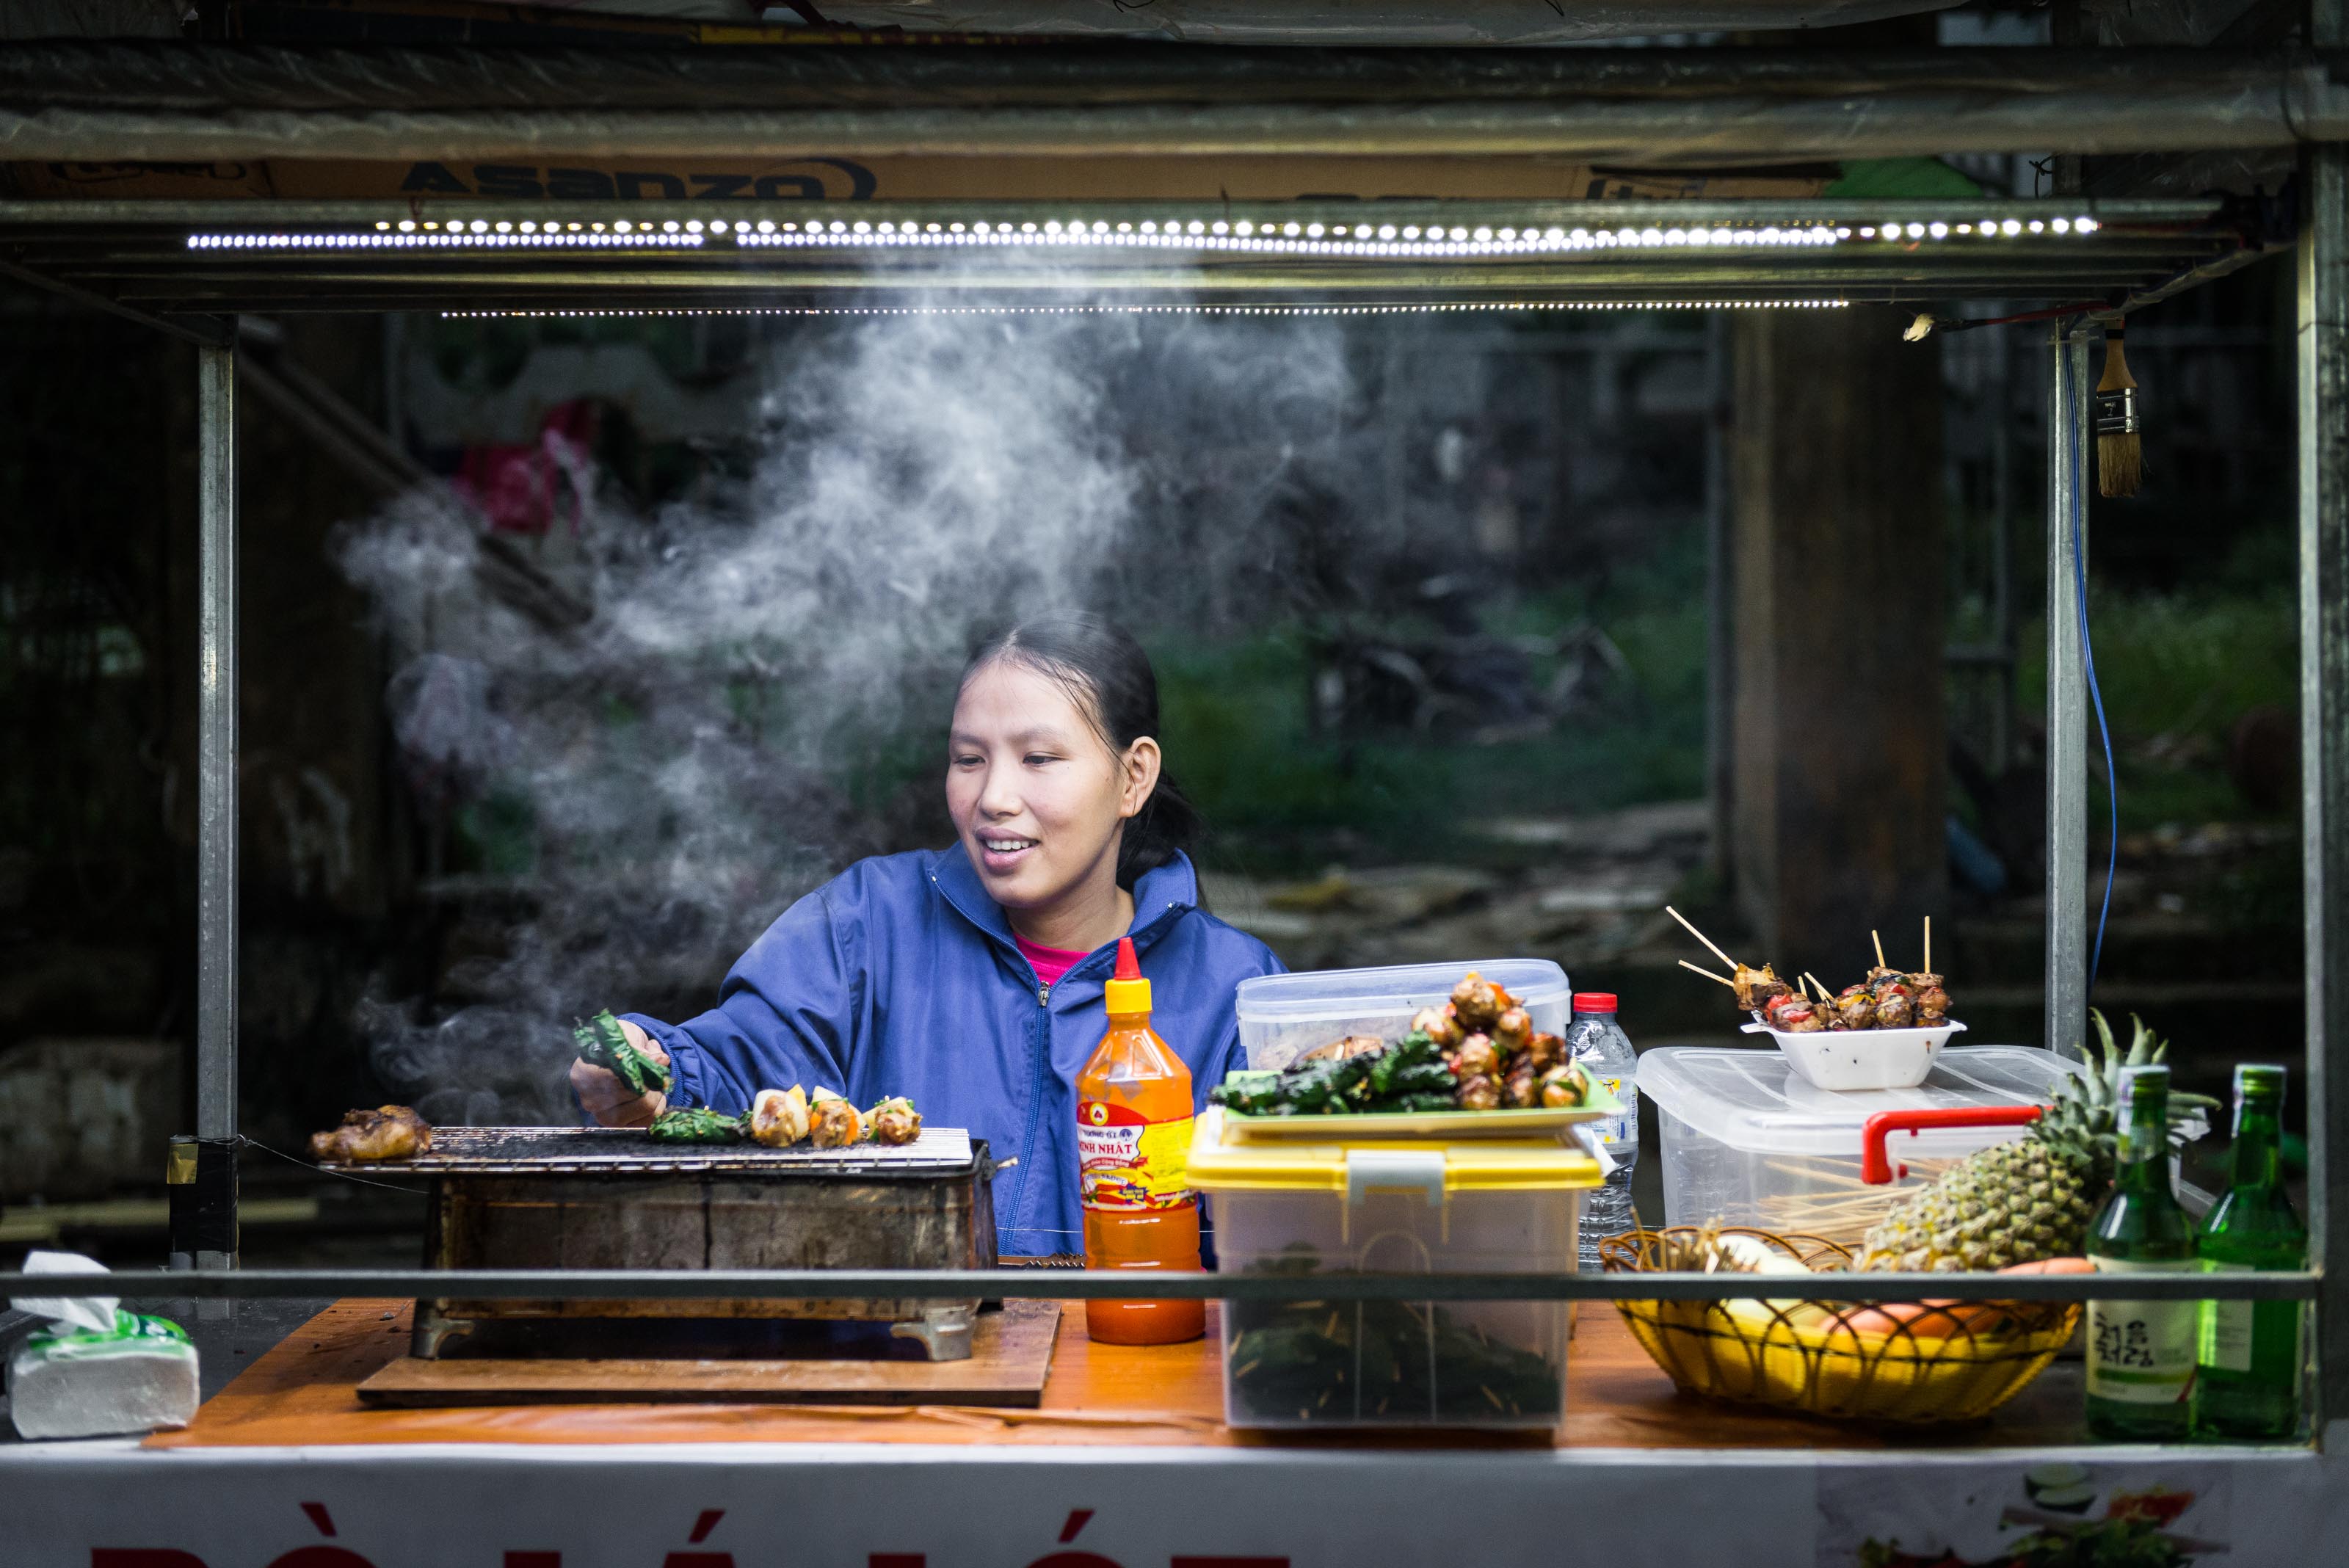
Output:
x,y
1009,1353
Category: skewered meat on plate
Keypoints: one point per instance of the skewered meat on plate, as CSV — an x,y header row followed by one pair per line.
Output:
x,y
1479,1002
1565,1084
387,1132
1794,1014
1755,987
1440,1024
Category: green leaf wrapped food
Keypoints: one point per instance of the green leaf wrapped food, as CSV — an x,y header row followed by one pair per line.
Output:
x,y
699,1124
603,1044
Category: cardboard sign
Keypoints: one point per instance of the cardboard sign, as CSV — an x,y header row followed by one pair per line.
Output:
x,y
841,175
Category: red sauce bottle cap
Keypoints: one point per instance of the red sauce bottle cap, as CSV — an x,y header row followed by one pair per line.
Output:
x,y
1126,992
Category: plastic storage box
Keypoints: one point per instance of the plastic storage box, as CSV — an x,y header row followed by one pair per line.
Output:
x,y
1489,1207
1282,1017
1747,1141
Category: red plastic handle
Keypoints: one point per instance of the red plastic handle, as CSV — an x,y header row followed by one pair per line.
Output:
x,y
1876,1167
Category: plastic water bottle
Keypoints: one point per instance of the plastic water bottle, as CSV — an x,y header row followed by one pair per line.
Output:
x,y
1599,1045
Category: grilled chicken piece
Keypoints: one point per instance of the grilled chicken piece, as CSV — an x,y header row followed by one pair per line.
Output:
x,y
1755,987
1477,1059
1478,1002
894,1121
1479,1092
832,1122
1339,1050
1932,1001
778,1118
1855,1008
1564,1085
1544,1052
1440,1024
387,1132
1794,1015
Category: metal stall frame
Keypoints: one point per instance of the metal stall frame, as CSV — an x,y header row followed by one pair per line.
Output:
x,y
139,259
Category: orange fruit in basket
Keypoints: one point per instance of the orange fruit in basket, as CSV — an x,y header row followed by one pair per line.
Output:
x,y
1949,1319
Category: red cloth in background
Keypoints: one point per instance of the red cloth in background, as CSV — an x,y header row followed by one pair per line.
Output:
x,y
524,488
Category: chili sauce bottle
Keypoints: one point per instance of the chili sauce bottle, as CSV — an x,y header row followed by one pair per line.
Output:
x,y
2141,1353
2247,1382
1134,1151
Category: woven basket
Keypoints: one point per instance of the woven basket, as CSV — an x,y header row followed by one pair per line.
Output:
x,y
1838,1359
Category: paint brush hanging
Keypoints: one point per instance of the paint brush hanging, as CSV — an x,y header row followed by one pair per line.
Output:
x,y
2120,452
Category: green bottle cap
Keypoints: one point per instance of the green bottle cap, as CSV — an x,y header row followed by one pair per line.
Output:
x,y
2264,1080
2154,1079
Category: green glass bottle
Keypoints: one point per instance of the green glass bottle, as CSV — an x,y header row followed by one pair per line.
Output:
x,y
2247,1382
2141,1353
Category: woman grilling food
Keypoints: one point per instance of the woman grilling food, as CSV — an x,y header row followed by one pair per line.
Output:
x,y
968,980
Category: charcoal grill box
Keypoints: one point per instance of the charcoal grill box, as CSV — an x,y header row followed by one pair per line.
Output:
x,y
613,1197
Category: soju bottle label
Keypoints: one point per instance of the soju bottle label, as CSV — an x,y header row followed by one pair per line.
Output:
x,y
2142,1353
2230,1329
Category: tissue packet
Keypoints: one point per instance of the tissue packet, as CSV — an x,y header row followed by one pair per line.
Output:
x,y
70,1382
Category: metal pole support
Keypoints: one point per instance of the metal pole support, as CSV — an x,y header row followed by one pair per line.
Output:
x,y
2321,343
2066,1016
216,805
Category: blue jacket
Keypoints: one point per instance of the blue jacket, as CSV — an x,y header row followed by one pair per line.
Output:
x,y
900,977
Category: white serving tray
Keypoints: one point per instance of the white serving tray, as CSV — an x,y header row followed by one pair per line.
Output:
x,y
1853,1060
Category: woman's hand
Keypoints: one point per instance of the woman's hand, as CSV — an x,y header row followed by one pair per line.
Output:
x,y
606,1098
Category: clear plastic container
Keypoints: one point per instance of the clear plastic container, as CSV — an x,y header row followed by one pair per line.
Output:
x,y
1747,1141
1489,1207
1282,1017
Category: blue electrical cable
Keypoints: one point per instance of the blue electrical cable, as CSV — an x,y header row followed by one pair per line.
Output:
x,y
2088,659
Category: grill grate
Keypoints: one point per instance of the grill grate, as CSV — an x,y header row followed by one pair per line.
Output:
x,y
531,1151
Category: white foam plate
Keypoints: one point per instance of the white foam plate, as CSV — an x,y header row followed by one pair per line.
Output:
x,y
1848,1060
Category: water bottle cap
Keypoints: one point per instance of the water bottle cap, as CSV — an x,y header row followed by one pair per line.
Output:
x,y
1594,1002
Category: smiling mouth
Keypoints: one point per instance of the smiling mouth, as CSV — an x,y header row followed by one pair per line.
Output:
x,y
1007,846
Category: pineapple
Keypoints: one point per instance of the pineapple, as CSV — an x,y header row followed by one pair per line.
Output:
x,y
2031,1197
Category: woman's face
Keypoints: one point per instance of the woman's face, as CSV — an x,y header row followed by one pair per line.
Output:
x,y
1037,795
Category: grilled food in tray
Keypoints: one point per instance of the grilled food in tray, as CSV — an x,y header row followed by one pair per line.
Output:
x,y
781,1118
1477,1052
387,1132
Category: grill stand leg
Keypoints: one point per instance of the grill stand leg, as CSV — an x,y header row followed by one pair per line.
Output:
x,y
432,1329
944,1331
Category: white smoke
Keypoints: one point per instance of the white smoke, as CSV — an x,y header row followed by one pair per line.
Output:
x,y
684,761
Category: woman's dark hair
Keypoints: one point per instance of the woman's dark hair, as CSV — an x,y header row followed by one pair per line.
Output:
x,y
1110,679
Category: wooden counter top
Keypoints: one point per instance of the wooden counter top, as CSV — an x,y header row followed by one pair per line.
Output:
x,y
304,1392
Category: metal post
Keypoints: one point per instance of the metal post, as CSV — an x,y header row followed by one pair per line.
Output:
x,y
2066,1017
1720,646
2323,343
2001,554
216,791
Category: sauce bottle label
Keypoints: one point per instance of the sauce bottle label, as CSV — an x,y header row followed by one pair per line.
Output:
x,y
1124,1161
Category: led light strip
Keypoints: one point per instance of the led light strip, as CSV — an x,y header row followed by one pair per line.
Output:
x,y
470,241
1241,234
1409,240
1432,308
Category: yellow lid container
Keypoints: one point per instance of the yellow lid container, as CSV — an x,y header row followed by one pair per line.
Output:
x,y
1224,1161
